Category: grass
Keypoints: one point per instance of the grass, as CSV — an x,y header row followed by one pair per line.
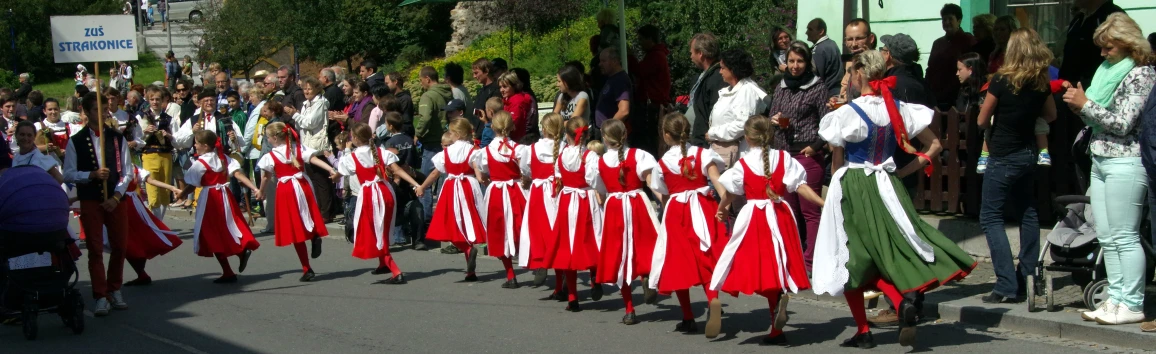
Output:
x,y
147,70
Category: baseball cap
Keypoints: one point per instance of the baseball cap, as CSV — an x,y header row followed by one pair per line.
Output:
x,y
902,47
454,105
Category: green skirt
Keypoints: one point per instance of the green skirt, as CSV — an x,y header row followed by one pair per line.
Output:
x,y
877,247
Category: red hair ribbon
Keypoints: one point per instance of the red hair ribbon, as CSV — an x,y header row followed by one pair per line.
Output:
x,y
221,154
884,87
578,134
293,133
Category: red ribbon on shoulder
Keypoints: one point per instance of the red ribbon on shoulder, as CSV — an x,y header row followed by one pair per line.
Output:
x,y
884,87
221,154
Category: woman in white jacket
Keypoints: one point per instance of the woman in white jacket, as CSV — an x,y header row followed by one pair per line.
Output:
x,y
311,123
741,99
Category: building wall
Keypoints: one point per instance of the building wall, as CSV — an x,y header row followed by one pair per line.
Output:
x,y
1143,11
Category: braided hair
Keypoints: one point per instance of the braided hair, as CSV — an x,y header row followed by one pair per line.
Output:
x,y
363,133
758,131
614,136
676,125
278,131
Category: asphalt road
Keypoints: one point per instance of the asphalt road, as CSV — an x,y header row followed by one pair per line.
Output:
x,y
269,311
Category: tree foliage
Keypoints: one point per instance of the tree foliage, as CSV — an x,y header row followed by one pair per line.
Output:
x,y
30,21
240,32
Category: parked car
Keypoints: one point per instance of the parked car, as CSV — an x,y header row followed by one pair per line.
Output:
x,y
187,10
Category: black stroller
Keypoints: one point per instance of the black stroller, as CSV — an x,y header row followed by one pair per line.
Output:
x,y
38,272
1074,248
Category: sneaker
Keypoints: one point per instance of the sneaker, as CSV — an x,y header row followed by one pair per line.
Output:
x,y
102,308
1045,159
1105,307
1122,315
981,166
118,301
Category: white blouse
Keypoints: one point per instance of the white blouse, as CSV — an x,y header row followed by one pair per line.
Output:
x,y
347,167
282,154
197,170
499,145
671,160
571,157
459,152
844,125
34,158
794,174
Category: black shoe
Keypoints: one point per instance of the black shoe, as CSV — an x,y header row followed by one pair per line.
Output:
x,y
140,282
539,277
629,319
244,260
511,284
316,252
381,270
686,326
907,320
596,292
557,296
395,280
471,277
472,261
226,280
994,298
649,296
308,276
573,306
563,294
779,340
861,341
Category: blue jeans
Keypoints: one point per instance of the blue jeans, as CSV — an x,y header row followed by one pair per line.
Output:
x,y
427,199
1011,180
1118,188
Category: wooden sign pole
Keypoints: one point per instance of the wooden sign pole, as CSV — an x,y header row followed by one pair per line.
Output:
x,y
100,121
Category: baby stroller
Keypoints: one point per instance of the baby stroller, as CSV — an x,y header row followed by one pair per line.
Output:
x,y
38,271
1074,249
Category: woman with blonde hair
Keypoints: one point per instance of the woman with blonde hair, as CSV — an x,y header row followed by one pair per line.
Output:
x,y
1111,106
873,238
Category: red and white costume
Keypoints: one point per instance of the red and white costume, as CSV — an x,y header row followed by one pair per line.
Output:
x,y
456,218
630,224
579,222
764,255
147,236
373,215
536,235
686,252
297,217
220,226
505,199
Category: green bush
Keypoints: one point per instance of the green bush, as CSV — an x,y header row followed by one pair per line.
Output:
x,y
8,79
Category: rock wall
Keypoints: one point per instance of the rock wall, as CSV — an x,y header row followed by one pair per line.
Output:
x,y
467,28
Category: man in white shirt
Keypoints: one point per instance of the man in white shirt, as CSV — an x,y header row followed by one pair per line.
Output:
x,y
208,118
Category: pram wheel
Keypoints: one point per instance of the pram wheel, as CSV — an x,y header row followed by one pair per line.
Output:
x,y
1095,293
1030,284
1049,293
73,317
29,315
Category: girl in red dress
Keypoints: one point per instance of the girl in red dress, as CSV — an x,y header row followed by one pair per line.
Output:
x,y
148,236
536,235
505,199
764,255
456,219
297,218
630,224
220,229
688,247
373,215
579,222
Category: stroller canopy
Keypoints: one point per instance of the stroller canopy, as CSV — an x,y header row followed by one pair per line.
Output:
x,y
31,201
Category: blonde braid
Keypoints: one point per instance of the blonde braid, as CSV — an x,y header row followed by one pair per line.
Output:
x,y
378,167
767,166
622,164
558,162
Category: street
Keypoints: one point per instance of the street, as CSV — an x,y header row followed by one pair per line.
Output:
x,y
342,311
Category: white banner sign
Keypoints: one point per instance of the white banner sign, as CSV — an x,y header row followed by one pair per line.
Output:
x,y
84,39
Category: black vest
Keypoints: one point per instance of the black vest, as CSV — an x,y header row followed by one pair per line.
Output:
x,y
83,143
152,141
224,125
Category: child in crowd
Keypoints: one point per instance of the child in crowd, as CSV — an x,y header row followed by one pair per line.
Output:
x,y
505,199
409,210
630,224
285,164
372,218
456,219
220,230
493,106
687,249
578,226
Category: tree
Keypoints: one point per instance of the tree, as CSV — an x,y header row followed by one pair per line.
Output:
x,y
237,33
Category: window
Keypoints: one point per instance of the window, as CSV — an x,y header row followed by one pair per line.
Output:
x,y
1049,18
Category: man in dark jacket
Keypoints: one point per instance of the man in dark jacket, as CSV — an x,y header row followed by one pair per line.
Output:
x,y
910,87
1148,152
828,61
294,96
704,52
371,76
396,84
25,88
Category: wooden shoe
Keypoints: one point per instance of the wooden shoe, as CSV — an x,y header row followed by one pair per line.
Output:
x,y
781,316
714,318
907,320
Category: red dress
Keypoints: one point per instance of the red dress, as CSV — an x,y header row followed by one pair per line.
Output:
x,y
147,235
505,204
294,225
456,216
374,213
764,255
687,251
629,224
537,235
575,244
220,227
